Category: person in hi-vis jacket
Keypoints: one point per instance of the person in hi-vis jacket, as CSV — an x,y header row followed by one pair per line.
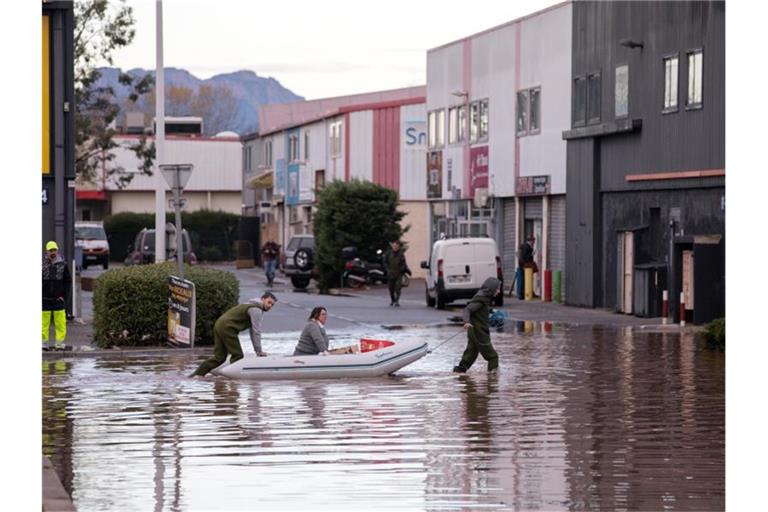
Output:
x,y
56,283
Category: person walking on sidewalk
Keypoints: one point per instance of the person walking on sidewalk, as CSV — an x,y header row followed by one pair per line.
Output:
x,y
271,252
56,283
476,323
227,328
394,262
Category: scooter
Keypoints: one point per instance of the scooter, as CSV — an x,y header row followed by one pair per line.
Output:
x,y
358,272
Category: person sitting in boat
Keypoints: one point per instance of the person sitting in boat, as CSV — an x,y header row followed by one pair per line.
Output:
x,y
313,339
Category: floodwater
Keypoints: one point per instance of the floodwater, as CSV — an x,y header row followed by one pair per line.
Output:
x,y
578,418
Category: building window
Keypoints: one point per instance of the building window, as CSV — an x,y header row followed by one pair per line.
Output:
x,y
293,147
453,132
522,113
319,180
593,98
306,146
695,63
670,83
335,138
529,111
293,214
535,111
268,154
461,134
474,121
621,91
484,115
579,101
436,128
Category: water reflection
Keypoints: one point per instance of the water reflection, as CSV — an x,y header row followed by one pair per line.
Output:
x,y
577,418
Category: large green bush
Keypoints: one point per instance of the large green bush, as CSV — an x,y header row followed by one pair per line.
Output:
x,y
130,304
355,213
212,233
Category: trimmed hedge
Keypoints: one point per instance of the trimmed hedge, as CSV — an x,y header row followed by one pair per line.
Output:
x,y
212,233
130,304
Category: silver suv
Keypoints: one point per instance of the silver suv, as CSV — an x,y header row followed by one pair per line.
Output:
x,y
299,260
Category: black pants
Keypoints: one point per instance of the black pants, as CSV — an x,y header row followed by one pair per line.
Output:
x,y
395,285
479,345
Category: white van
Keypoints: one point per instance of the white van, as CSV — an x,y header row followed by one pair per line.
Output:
x,y
458,267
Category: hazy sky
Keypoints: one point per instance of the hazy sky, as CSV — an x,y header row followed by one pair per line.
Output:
x,y
319,48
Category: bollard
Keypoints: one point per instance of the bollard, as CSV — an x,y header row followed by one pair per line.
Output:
x,y
665,307
528,283
556,285
682,309
547,295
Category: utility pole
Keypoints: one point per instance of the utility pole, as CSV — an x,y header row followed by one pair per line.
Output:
x,y
159,138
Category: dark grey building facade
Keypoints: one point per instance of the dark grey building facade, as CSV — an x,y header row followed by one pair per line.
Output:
x,y
645,207
58,158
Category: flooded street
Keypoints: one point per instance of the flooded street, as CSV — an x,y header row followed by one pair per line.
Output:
x,y
577,418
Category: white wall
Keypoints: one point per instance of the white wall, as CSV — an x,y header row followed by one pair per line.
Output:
x,y
413,157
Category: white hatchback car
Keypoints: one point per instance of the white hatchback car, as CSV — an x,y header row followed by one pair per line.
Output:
x,y
90,236
457,268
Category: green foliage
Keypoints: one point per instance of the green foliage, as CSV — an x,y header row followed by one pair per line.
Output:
x,y
130,304
355,213
212,233
102,28
715,333
121,231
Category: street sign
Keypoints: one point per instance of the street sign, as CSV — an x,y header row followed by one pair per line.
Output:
x,y
181,312
172,172
182,202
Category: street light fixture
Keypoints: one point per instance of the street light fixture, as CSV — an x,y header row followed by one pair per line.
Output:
x,y
177,176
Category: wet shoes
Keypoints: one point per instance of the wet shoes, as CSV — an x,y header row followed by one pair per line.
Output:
x,y
459,369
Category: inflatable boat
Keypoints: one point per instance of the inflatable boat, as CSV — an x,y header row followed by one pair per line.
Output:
x,y
369,358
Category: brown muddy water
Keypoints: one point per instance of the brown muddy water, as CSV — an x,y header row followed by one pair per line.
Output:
x,y
578,418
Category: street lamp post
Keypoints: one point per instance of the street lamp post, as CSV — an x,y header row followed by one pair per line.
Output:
x,y
177,176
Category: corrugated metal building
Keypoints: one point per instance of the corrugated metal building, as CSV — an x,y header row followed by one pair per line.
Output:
x,y
646,157
497,103
377,137
215,184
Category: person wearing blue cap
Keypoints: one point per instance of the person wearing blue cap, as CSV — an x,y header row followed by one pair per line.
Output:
x,y
56,282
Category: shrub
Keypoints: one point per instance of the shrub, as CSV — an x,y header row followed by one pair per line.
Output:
x,y
715,333
356,213
212,253
207,229
130,304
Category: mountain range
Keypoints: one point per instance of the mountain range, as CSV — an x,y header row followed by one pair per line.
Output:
x,y
249,89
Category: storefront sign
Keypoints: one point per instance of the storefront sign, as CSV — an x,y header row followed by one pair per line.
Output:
x,y
181,312
532,186
435,174
415,134
478,169
292,197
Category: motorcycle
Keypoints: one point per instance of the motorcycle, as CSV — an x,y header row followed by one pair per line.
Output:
x,y
358,272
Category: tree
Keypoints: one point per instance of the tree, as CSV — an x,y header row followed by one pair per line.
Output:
x,y
214,103
101,28
355,213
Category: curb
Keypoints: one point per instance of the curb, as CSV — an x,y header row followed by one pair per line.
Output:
x,y
55,497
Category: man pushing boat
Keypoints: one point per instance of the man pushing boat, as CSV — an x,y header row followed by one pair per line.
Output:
x,y
227,328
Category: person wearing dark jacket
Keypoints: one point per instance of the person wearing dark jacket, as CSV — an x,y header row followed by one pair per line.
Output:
x,y
476,322
228,327
313,339
394,262
56,283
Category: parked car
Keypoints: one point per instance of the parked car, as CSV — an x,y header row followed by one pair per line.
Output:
x,y
143,249
299,261
90,236
457,268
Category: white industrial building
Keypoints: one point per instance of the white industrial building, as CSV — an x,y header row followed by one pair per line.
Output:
x,y
378,137
215,183
497,104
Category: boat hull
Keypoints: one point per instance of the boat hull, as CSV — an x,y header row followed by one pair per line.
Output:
x,y
367,364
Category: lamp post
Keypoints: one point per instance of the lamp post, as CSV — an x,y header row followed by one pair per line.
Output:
x,y
177,176
159,135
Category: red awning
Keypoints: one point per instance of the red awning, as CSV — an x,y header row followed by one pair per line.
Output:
x,y
91,195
